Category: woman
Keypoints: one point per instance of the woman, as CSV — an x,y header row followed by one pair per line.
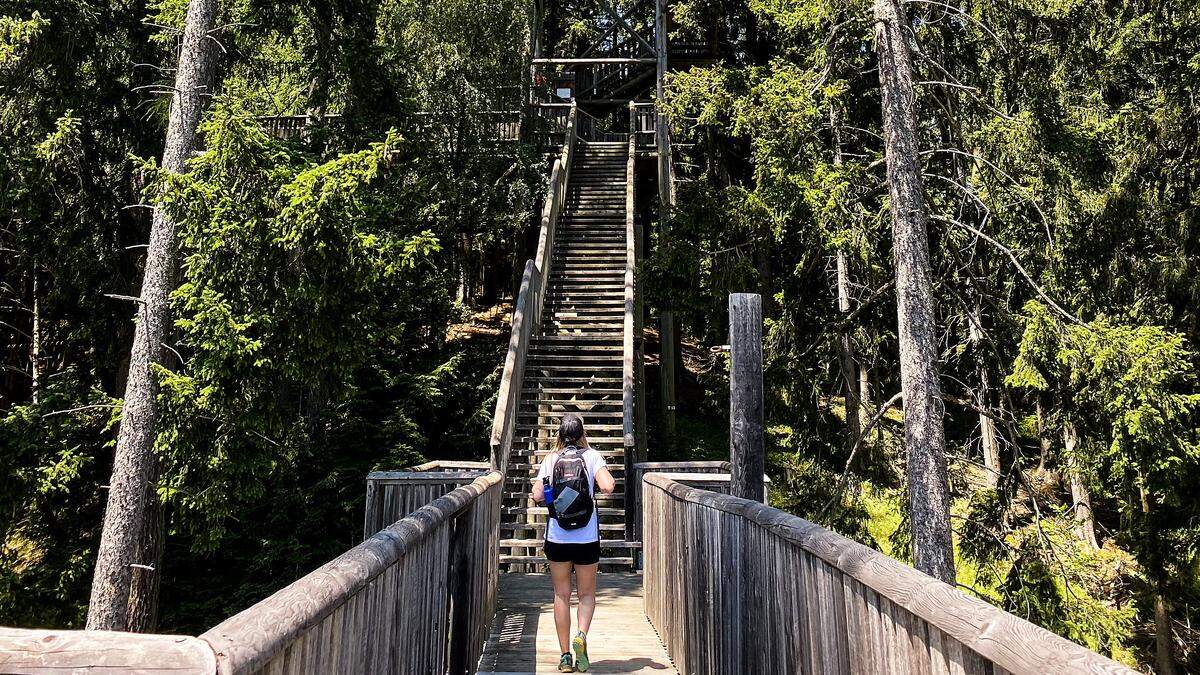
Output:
x,y
574,549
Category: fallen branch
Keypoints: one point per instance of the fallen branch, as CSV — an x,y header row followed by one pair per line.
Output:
x,y
837,491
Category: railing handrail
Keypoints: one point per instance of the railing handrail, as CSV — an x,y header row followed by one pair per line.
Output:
x,y
627,371
524,317
453,537
527,309
251,638
27,650
1006,640
628,355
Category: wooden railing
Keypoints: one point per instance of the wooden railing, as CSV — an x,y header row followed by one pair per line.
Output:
x,y
527,310
391,495
713,476
551,123
417,597
628,351
644,123
733,586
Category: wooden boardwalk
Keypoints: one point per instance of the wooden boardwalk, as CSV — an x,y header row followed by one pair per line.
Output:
x,y
523,638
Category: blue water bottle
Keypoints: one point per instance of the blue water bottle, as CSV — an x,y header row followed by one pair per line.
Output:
x,y
547,492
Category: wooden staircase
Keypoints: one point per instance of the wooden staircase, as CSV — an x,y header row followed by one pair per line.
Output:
x,y
575,361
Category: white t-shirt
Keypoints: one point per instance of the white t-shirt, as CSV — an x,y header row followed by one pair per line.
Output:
x,y
590,532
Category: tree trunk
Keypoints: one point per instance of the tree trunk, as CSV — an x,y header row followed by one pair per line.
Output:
x,y
1163,652
864,397
1081,499
1043,439
133,463
849,384
989,440
928,488
147,571
667,365
35,342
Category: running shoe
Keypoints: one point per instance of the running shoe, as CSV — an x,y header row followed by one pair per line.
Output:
x,y
579,644
564,664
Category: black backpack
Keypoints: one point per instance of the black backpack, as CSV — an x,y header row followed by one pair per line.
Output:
x,y
573,503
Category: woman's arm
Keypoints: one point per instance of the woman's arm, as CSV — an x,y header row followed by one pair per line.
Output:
x,y
543,472
605,481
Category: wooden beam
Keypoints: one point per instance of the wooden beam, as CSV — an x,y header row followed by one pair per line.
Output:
x,y
746,395
591,61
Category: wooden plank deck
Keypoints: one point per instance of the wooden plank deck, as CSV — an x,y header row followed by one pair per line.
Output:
x,y
523,640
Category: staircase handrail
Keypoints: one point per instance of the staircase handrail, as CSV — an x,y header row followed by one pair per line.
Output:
x,y
556,197
527,309
628,369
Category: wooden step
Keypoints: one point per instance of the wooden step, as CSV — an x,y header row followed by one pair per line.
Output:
x,y
566,284
570,339
517,469
526,480
537,559
568,326
591,312
616,456
529,426
572,364
604,543
536,452
590,391
602,500
587,379
592,406
546,444
576,316
604,527
589,416
576,343
541,510
517,487
594,439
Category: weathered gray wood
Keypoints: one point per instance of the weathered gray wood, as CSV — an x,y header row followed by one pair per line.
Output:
x,y
386,599
524,317
523,638
754,571
45,651
592,61
746,450
628,369
391,495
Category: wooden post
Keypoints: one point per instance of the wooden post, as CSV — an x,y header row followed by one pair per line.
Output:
x,y
667,343
460,587
746,396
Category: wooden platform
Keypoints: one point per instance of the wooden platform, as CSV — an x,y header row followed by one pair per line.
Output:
x,y
523,639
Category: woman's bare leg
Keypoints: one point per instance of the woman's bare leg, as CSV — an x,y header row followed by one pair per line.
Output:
x,y
560,574
585,583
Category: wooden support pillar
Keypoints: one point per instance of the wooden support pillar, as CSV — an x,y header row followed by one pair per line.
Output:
x,y
746,451
667,367
668,362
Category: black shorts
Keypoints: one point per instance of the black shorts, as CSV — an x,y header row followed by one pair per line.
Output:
x,y
579,554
